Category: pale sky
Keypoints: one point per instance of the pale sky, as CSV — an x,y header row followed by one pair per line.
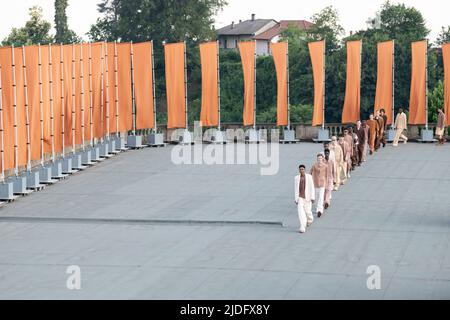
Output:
x,y
353,13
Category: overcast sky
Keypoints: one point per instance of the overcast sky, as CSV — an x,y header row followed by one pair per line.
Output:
x,y
353,13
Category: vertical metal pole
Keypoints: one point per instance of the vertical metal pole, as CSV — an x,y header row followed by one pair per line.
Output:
x,y
254,94
155,125
27,111
73,101
324,81
82,95
107,90
91,102
186,86
218,83
102,102
426,87
2,150
360,75
116,87
52,117
393,84
16,152
133,89
61,62
288,84
41,103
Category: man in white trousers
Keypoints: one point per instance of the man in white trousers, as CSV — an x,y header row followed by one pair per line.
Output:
x,y
401,125
319,172
304,197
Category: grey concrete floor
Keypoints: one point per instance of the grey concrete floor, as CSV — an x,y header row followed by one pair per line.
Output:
x,y
140,227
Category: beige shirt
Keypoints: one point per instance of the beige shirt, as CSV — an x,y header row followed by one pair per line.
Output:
x,y
338,152
401,122
441,121
319,173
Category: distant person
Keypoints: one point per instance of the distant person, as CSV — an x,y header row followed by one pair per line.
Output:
x,y
440,129
361,134
385,121
348,137
331,178
346,151
366,137
355,156
373,125
380,130
338,162
304,198
319,172
401,125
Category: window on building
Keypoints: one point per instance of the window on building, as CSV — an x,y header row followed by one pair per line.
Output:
x,y
225,43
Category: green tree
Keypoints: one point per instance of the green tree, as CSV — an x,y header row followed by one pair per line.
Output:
x,y
444,36
435,101
326,25
35,31
63,33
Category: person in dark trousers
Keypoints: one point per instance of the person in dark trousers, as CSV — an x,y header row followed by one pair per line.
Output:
x,y
385,118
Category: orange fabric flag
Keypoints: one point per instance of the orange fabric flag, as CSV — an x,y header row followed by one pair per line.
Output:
x,y
68,103
209,116
109,88
280,56
247,50
143,85
78,97
351,111
124,83
8,110
384,95
446,58
21,114
57,92
317,54
175,85
86,94
45,77
33,90
97,108
417,101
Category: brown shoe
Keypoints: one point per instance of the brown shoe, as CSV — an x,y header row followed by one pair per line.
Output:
x,y
326,206
319,214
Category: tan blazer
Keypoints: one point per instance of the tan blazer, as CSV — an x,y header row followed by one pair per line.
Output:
x,y
310,193
401,122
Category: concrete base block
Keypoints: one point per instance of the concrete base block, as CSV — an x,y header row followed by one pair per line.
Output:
x,y
135,142
45,175
156,139
67,167
96,154
289,137
113,146
7,191
121,144
86,158
324,136
20,185
33,180
77,163
253,136
104,150
427,136
390,135
57,171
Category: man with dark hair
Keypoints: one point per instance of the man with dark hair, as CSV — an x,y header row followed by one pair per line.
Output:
x,y
401,125
380,130
440,128
319,172
373,125
360,133
304,197
385,121
331,178
348,137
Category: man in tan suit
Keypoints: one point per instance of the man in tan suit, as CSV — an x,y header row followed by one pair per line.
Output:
x,y
346,148
373,125
338,162
319,172
304,197
331,178
400,125
440,129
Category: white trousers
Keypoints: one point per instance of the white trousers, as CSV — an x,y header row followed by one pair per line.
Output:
x,y
320,197
399,134
304,213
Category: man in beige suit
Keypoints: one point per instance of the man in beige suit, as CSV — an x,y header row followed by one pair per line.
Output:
x,y
319,172
400,125
440,128
338,162
304,197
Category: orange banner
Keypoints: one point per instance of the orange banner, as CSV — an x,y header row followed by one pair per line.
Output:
x,y
209,116
280,58
351,111
109,88
417,101
143,85
175,85
247,50
125,93
446,58
57,103
384,94
86,94
96,64
317,54
45,77
8,110
77,75
68,103
21,114
33,90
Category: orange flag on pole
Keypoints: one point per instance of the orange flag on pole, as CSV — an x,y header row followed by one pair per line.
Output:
x,y
248,50
209,116
352,103
280,57
385,77
8,109
446,58
418,96
317,54
175,85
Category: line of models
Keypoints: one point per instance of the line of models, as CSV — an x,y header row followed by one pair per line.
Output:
x,y
333,166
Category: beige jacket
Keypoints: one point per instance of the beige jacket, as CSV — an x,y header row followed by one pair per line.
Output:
x,y
401,122
310,193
